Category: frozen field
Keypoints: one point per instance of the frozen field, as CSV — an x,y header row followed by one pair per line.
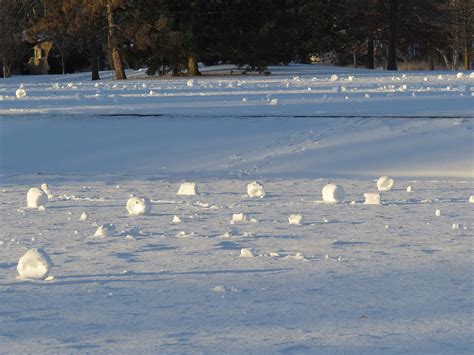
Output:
x,y
376,279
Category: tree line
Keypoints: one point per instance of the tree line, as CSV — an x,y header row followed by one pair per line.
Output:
x,y
173,36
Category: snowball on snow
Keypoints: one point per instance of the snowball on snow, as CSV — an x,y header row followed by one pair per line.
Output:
x,y
274,102
84,216
176,219
409,189
35,264
20,92
239,218
295,219
254,189
137,206
334,77
460,75
471,199
36,197
105,230
333,193
246,253
385,183
190,83
372,198
188,189
438,213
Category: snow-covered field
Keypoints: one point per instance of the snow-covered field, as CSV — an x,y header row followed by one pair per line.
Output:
x,y
351,278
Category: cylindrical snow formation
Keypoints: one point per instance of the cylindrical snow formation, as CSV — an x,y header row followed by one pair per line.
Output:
x,y
254,189
372,198
188,189
36,198
35,264
333,193
385,183
137,206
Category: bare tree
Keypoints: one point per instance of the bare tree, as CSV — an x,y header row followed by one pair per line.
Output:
x,y
15,17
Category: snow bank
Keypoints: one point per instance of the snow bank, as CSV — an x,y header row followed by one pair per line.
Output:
x,y
254,189
372,198
36,198
333,193
188,189
295,219
35,264
137,206
385,183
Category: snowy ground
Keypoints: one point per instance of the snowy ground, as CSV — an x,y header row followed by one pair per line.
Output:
x,y
391,278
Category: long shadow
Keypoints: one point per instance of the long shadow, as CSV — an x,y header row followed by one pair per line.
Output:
x,y
127,278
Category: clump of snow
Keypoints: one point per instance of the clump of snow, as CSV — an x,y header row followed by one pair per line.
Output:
x,y
471,199
274,102
190,83
47,191
350,78
333,193
246,253
438,213
385,183
20,92
297,256
295,219
219,288
372,198
471,75
334,77
36,198
176,219
84,216
188,189
409,189
42,208
105,230
254,189
137,206
242,218
457,226
35,264
460,75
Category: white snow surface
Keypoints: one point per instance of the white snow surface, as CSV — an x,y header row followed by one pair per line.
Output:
x,y
352,278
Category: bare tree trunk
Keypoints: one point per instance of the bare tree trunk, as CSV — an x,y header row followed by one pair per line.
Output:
x,y
392,35
113,44
193,68
369,64
94,64
467,54
354,58
6,68
63,65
